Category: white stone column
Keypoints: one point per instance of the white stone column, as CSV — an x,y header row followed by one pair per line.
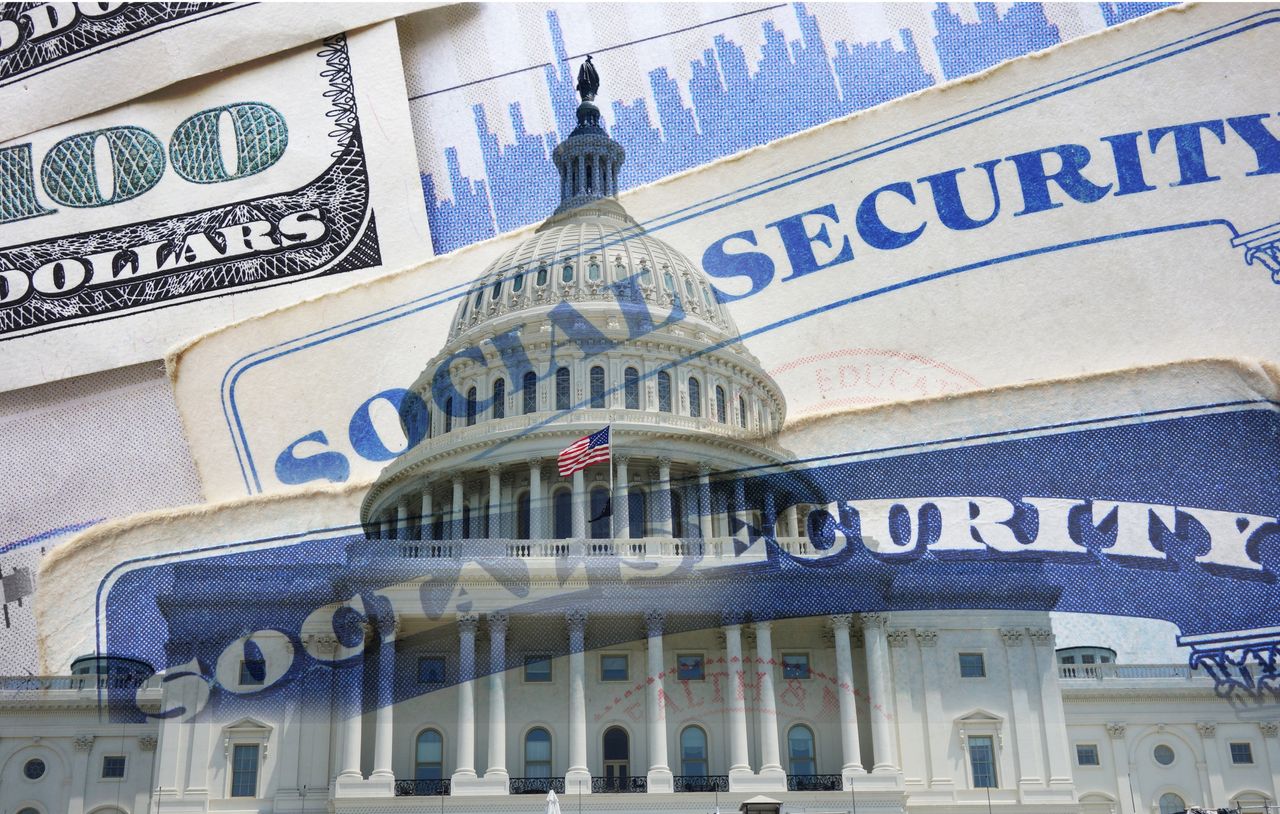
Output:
x,y
402,518
455,514
705,518
1271,747
882,740
578,506
849,746
1125,781
790,522
1212,787
655,707
1055,717
536,532
736,699
424,527
1026,737
939,723
737,511
621,499
352,704
770,762
465,763
495,501
497,769
664,502
384,720
578,776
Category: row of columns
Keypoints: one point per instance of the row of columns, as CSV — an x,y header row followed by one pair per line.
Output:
x,y
659,772
662,512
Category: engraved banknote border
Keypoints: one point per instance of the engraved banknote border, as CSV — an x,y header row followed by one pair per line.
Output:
x,y
1217,34
114,33
347,176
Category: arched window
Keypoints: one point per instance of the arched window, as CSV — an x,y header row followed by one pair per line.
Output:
x,y
664,391
688,289
742,412
541,279
668,282
1171,803
466,522
517,283
448,414
695,398
566,273
631,388
471,406
646,276
529,388
500,398
562,512
562,389
537,753
800,752
597,387
637,507
522,516
497,289
593,272
706,296
617,757
693,752
479,298
721,407
600,514
428,759
462,317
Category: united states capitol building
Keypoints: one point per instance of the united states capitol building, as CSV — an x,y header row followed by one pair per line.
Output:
x,y
675,705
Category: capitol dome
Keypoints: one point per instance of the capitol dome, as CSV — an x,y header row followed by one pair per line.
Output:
x,y
589,323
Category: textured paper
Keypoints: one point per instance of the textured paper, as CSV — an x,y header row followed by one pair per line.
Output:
x,y
1055,285
65,60
204,203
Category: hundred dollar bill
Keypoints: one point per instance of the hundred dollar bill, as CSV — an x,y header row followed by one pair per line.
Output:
x,y
63,60
213,199
1107,204
1143,493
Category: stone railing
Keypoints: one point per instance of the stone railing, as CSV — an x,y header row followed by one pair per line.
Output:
x,y
718,548
27,686
1127,671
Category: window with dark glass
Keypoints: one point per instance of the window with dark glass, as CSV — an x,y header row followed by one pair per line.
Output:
x,y
593,272
614,667
33,769
563,392
1241,753
795,665
664,391
690,667
1163,753
537,669
721,407
542,276
800,752
982,761
497,289
244,770
742,412
471,406
562,514
1171,803
637,508
693,752
428,758
113,767
1086,754
252,672
631,388
530,389
500,398
597,387
448,415
695,398
600,516
566,273
478,300
523,517
537,753
517,283
972,665
431,670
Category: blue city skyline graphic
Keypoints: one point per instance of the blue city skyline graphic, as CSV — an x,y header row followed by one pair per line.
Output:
x,y
796,85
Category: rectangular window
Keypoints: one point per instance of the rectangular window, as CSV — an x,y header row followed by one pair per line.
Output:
x,y
972,666
252,672
112,767
689,667
982,759
431,670
613,667
1068,659
1086,754
795,665
1087,659
244,770
537,669
1242,753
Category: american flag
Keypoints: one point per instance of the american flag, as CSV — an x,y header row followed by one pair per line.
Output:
x,y
584,452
